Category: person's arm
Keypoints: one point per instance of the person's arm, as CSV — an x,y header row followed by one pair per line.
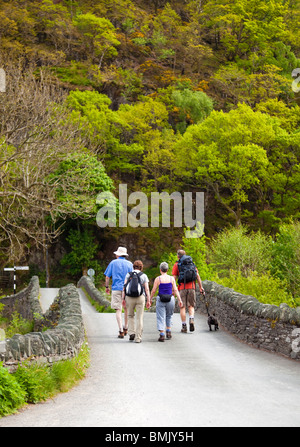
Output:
x,y
154,288
148,304
175,271
123,291
200,283
107,278
176,292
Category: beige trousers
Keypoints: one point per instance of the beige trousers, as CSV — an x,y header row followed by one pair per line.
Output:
x,y
135,322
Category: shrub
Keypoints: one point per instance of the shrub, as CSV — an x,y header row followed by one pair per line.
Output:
x,y
286,257
36,381
18,325
12,396
263,287
236,249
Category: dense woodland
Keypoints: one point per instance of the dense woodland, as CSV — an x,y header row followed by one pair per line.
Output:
x,y
160,95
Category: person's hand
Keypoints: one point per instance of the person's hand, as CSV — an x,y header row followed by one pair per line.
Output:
x,y
148,304
107,290
180,303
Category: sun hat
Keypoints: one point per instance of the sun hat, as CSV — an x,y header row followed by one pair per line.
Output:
x,y
122,251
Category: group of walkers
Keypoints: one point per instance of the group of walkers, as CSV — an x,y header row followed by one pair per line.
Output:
x,y
130,291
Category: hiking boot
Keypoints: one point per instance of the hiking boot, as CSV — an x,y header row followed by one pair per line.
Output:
x,y
192,325
161,337
121,334
184,328
131,337
168,334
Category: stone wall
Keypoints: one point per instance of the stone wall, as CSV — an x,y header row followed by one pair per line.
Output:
x,y
264,326
89,287
26,302
62,342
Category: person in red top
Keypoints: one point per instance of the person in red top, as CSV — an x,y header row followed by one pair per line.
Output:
x,y
188,295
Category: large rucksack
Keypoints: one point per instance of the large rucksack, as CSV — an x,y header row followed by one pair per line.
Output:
x,y
187,270
133,286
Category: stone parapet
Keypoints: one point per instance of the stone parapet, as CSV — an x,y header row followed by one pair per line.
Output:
x,y
62,342
87,284
264,326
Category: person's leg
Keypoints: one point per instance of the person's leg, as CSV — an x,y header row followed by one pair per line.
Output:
x,y
125,327
191,302
119,321
169,314
183,295
161,319
130,306
140,306
116,303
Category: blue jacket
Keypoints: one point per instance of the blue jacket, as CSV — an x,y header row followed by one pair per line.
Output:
x,y
117,270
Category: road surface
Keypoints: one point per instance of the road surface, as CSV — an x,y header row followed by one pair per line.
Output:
x,y
200,379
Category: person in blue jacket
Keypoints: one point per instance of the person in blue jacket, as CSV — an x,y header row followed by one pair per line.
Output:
x,y
117,270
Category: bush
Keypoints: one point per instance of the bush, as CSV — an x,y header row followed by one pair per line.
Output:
x,y
34,382
286,257
18,325
263,287
235,249
12,396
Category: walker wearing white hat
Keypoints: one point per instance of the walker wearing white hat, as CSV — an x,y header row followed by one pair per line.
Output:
x,y
117,270
122,251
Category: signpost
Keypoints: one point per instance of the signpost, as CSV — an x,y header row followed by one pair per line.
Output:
x,y
91,273
14,269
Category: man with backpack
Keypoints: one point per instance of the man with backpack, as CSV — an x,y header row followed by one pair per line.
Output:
x,y
186,272
117,270
136,286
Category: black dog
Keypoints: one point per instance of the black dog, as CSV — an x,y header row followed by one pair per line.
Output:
x,y
212,321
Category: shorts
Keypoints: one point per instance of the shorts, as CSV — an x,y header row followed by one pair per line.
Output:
x,y
188,297
116,299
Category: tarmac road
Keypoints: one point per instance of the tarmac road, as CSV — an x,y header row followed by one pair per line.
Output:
x,y
200,379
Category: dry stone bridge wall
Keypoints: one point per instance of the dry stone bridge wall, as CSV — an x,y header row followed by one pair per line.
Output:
x,y
64,336
273,328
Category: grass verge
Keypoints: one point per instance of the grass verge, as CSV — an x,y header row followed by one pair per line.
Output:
x,y
33,382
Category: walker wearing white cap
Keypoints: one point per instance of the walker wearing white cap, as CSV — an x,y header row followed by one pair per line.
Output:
x,y
117,270
122,251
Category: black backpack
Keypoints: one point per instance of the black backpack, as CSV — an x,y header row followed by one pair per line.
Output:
x,y
133,286
187,270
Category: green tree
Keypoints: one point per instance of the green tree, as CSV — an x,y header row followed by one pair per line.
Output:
x,y
83,251
243,27
221,153
78,180
242,251
240,155
193,107
99,36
